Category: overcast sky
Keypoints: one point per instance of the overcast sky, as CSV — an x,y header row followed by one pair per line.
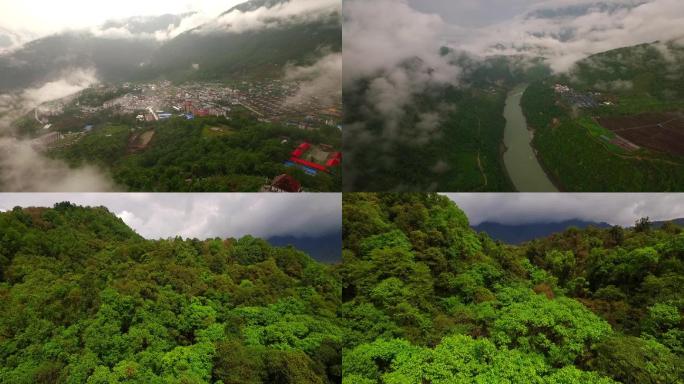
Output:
x,y
613,208
42,17
207,215
473,13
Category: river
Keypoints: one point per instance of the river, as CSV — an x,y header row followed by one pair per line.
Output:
x,y
521,163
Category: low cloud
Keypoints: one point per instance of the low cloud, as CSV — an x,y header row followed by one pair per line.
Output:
x,y
392,54
23,168
322,80
292,11
277,15
566,31
208,215
524,208
71,82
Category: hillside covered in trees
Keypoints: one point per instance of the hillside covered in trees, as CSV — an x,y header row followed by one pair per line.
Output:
x,y
428,300
87,300
211,154
627,138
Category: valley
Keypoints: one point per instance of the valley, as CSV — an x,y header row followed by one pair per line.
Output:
x,y
232,96
614,122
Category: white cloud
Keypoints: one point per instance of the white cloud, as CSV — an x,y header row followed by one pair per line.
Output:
x,y
323,79
566,38
292,10
46,17
396,51
25,169
207,215
71,82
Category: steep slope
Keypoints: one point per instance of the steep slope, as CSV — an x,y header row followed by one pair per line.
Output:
x,y
87,300
49,58
220,52
428,300
208,52
618,125
655,70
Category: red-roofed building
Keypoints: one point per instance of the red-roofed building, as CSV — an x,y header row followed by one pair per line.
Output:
x,y
309,164
285,183
335,160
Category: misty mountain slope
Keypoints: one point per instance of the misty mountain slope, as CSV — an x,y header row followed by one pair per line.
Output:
x,y
220,53
47,59
262,52
8,38
617,127
448,137
655,70
555,11
146,24
114,308
253,5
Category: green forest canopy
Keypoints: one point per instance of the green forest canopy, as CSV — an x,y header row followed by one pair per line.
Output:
x,y
424,300
182,157
87,300
428,300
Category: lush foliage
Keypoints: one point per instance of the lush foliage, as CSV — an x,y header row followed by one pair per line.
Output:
x,y
427,300
461,151
645,78
187,156
86,300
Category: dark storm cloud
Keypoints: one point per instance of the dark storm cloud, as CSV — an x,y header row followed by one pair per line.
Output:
x,y
525,208
207,215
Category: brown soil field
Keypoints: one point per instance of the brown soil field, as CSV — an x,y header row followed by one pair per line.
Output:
x,y
662,132
140,142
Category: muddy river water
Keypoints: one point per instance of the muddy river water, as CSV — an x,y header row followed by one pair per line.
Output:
x,y
521,163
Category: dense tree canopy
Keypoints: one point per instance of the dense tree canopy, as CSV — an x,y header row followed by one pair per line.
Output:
x,y
87,300
211,154
427,300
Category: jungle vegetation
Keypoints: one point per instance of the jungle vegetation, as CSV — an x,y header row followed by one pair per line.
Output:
x,y
87,300
428,300
570,144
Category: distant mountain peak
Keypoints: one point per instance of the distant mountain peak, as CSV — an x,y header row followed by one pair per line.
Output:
x,y
576,10
520,233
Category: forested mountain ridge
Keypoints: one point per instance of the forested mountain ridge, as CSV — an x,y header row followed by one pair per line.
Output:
x,y
86,300
427,300
209,52
520,233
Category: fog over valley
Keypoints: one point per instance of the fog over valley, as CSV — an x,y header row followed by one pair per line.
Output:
x,y
52,52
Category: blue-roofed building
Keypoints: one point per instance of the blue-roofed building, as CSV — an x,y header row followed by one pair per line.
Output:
x,y
87,128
